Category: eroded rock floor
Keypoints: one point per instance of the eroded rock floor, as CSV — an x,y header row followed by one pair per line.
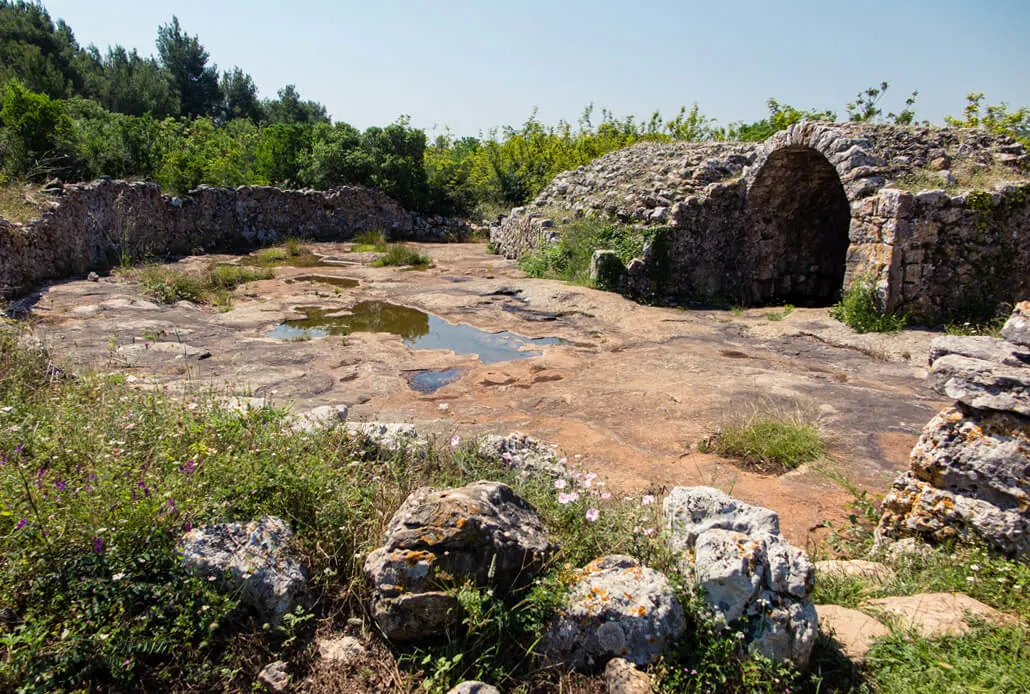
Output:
x,y
632,389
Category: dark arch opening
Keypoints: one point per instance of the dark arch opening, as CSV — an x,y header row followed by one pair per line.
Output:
x,y
799,218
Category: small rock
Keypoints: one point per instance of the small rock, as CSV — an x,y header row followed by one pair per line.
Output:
x,y
342,650
252,559
390,437
622,677
474,687
93,277
323,417
853,631
522,452
906,551
275,678
617,608
937,614
869,571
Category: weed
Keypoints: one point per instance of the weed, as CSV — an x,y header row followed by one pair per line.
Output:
x,y
400,255
20,203
770,436
860,310
368,241
780,315
214,285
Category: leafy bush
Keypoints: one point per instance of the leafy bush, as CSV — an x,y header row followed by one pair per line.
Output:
x,y
569,258
398,254
860,310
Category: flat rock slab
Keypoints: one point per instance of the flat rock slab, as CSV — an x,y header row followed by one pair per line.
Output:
x,y
853,631
869,571
937,614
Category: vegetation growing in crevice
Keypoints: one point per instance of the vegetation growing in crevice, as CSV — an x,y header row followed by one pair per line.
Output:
x,y
397,254
860,309
769,436
213,285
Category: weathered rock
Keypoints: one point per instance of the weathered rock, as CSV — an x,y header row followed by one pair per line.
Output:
x,y
751,577
690,511
322,417
990,349
474,687
869,571
522,452
969,477
275,678
937,614
254,561
622,677
982,384
606,270
483,533
389,436
853,631
1017,327
616,608
343,650
904,552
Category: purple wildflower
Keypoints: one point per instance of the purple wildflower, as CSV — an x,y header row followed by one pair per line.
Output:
x,y
98,545
60,484
21,524
593,514
188,467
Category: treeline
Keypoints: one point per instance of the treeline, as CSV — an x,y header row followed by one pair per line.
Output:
x,y
75,113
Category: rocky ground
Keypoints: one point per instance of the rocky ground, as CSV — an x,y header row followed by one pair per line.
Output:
x,y
629,393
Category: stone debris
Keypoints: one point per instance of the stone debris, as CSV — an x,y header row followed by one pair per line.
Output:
x,y
522,452
1017,328
483,533
622,677
275,678
474,687
937,614
853,631
253,560
342,650
322,417
969,475
754,581
389,436
869,571
616,608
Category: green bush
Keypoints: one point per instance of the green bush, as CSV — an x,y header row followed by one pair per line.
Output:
x,y
860,310
397,254
569,258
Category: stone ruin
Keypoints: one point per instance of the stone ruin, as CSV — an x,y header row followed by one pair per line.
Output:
x,y
91,226
802,215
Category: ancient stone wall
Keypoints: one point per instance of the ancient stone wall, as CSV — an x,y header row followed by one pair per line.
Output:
x,y
804,214
92,226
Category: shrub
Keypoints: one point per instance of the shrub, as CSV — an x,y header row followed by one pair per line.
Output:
x,y
569,258
374,240
397,254
860,310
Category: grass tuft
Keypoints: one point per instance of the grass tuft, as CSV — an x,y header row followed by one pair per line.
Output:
x,y
400,255
770,436
368,241
214,285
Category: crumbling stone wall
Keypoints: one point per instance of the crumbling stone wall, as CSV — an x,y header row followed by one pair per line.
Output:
x,y
804,214
92,226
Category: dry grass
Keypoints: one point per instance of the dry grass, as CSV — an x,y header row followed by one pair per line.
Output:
x,y
21,202
967,177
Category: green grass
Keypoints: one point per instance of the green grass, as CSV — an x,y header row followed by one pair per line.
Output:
x,y
860,310
213,285
770,436
368,241
780,315
400,255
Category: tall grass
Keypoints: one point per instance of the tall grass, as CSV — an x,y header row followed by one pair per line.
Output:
x,y
400,255
860,310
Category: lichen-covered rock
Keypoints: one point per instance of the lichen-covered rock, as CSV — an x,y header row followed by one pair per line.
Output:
x,y
969,477
622,677
253,560
439,539
616,608
389,436
752,578
1017,327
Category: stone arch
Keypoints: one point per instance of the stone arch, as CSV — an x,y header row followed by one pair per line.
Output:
x,y
800,193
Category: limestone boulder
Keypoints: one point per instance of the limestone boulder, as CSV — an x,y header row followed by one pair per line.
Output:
x,y
968,478
252,560
937,614
982,347
1017,327
853,631
522,452
617,608
753,580
440,539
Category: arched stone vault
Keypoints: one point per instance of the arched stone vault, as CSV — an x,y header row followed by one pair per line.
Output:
x,y
755,223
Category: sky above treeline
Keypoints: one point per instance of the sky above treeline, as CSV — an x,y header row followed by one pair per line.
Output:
x,y
474,64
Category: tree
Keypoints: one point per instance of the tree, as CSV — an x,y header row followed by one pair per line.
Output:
x,y
289,108
34,132
186,61
35,51
124,82
240,96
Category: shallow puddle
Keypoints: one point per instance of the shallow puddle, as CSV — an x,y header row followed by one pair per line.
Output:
x,y
418,329
431,380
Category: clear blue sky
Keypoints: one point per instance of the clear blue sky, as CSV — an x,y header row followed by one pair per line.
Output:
x,y
472,65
